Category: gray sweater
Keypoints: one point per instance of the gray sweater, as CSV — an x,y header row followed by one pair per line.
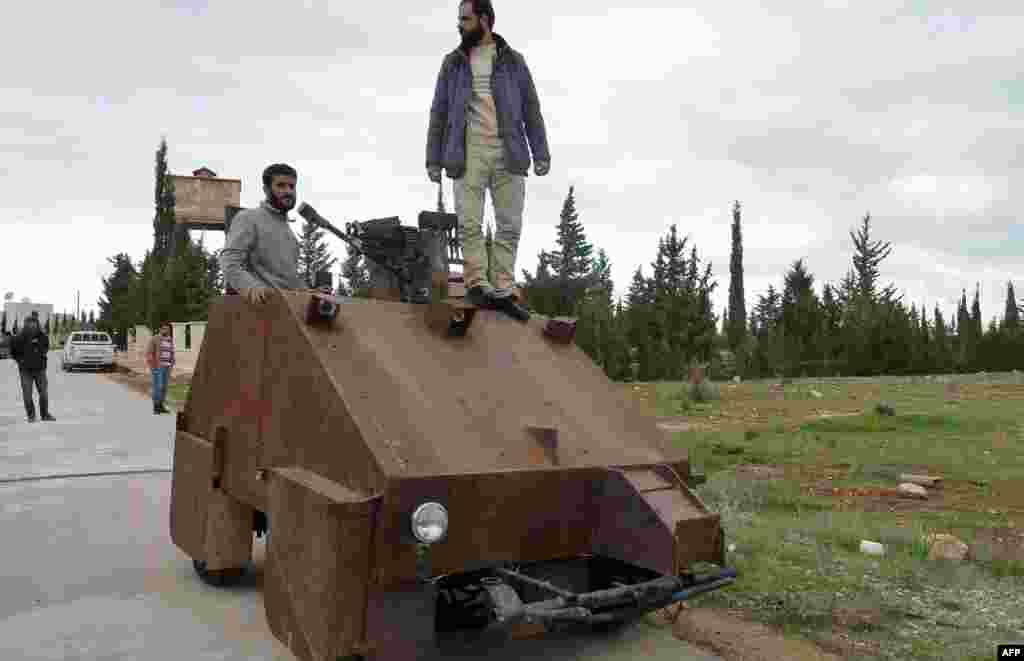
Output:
x,y
261,250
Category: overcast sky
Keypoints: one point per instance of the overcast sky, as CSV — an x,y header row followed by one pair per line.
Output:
x,y
912,111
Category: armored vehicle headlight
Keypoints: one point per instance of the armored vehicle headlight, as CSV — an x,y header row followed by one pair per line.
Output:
x,y
430,522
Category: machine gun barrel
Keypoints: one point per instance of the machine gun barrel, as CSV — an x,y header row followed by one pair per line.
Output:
x,y
310,214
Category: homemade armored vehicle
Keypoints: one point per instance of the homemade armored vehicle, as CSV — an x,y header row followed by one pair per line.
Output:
x,y
425,475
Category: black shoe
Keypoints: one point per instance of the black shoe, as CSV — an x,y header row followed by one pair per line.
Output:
x,y
31,418
481,298
48,418
156,410
510,307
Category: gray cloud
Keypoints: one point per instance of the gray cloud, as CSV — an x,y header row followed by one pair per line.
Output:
x,y
657,115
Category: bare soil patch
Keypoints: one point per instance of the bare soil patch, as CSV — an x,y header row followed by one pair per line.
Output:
x,y
727,634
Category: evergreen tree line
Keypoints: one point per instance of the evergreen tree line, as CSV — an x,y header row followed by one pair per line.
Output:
x,y
666,323
59,323
856,328
664,326
178,277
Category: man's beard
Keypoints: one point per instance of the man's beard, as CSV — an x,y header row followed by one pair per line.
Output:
x,y
471,38
282,204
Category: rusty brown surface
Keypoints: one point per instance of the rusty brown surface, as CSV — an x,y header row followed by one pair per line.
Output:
x,y
429,405
228,540
191,484
513,433
226,391
317,563
628,528
309,422
521,516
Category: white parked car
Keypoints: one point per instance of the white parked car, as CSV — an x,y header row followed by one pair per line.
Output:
x,y
87,349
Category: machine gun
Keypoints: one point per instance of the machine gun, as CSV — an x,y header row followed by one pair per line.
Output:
x,y
394,247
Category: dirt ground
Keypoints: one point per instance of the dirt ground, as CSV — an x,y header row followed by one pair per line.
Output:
x,y
143,383
733,635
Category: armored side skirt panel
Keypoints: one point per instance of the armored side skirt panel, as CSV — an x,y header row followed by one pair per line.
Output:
x,y
317,564
206,522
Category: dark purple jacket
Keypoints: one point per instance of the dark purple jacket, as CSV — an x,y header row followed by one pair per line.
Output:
x,y
515,97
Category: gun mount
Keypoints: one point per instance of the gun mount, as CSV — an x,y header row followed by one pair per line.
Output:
x,y
406,252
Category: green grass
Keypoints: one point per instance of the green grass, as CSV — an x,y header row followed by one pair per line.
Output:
x,y
798,556
177,393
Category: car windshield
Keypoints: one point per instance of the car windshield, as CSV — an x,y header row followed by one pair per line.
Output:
x,y
83,338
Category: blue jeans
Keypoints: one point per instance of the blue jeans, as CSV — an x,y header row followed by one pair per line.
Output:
x,y
159,384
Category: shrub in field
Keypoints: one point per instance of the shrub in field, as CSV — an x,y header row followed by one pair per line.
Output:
x,y
705,391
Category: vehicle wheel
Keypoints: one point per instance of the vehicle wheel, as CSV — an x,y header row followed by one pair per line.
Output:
x,y
609,627
219,578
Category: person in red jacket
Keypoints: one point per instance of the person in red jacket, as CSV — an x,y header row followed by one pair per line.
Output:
x,y
160,360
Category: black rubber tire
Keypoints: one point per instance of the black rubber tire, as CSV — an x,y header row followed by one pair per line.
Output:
x,y
221,578
610,627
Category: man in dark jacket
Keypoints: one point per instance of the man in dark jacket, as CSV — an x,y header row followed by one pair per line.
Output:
x,y
29,349
485,111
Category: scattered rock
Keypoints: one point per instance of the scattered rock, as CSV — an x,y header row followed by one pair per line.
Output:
x,y
913,490
885,409
737,379
667,616
816,395
942,546
758,472
923,480
871,548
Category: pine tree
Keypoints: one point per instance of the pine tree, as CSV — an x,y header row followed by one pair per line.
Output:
x,y
737,325
977,328
116,304
943,356
801,316
769,332
356,273
163,222
1011,316
3,323
641,326
92,319
571,263
867,256
963,332
314,255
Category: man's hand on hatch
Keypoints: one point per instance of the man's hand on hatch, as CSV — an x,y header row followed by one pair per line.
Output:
x,y
256,295
434,173
541,168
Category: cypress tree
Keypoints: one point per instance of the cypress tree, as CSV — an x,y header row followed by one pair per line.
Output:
x,y
736,328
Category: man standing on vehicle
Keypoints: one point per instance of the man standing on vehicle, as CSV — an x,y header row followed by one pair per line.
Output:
x,y
29,349
160,359
485,110
261,251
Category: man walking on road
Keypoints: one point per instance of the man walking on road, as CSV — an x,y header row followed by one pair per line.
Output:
x,y
29,349
485,111
262,251
160,359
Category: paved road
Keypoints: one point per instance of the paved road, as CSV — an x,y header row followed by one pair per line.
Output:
x,y
89,571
